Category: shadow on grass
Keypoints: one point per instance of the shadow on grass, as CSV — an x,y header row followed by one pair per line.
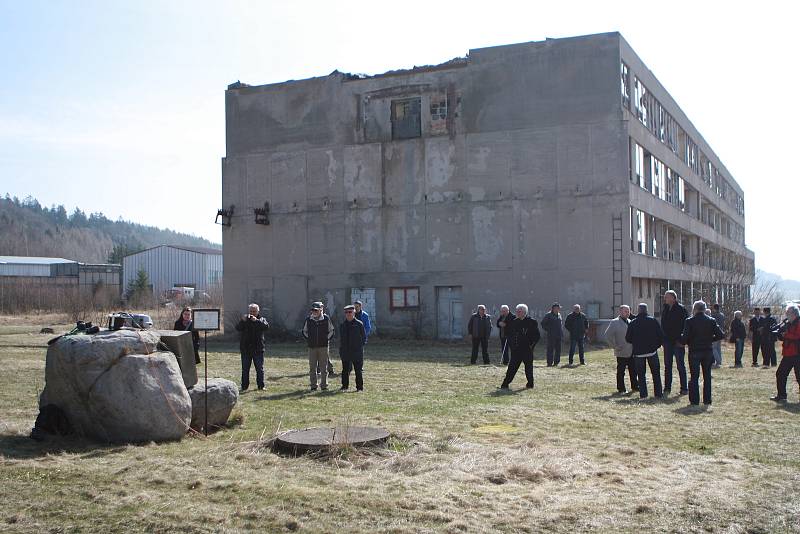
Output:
x,y
692,409
24,448
281,377
506,392
786,407
296,394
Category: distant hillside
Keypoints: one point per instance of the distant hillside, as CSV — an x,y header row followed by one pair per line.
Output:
x,y
789,288
29,229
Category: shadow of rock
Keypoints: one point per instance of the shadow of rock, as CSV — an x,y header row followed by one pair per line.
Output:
x,y
24,448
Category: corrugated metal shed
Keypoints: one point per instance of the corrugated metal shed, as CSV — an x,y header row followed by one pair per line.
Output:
x,y
167,266
31,266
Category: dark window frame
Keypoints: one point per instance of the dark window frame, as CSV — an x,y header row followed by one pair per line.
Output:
x,y
405,290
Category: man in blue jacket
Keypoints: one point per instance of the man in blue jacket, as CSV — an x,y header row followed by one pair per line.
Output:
x,y
699,334
646,336
363,316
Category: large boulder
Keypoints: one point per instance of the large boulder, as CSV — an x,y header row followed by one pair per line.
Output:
x,y
115,386
222,397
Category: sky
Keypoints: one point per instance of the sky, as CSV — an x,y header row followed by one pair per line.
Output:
x,y
118,107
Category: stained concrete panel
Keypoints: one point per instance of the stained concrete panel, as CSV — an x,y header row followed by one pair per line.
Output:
x,y
290,291
404,239
234,180
325,173
491,235
574,160
363,240
534,165
326,242
445,169
537,235
363,175
288,172
488,166
290,243
258,182
448,236
404,167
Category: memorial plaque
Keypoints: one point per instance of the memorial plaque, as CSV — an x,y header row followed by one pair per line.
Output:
x,y
205,319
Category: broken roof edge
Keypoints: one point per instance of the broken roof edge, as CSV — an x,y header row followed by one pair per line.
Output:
x,y
456,62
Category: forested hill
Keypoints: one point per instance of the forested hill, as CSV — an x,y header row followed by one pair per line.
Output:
x,y
30,229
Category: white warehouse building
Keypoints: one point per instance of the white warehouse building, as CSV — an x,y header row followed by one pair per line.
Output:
x,y
168,266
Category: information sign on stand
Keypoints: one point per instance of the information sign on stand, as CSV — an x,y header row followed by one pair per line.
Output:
x,y
205,319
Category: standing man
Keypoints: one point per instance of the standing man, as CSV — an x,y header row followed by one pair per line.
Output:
x,y
768,353
523,334
363,316
577,325
754,326
738,337
700,332
251,328
789,333
646,336
318,331
479,329
719,317
503,319
553,324
352,337
672,317
615,336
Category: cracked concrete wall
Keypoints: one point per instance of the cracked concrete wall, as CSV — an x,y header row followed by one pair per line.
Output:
x,y
512,200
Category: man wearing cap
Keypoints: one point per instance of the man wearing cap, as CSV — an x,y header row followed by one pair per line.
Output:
x,y
352,338
553,324
363,316
251,328
318,331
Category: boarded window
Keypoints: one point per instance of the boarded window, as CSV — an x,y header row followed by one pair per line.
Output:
x,y
406,123
404,297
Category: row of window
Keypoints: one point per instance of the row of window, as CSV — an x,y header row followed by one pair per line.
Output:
x,y
689,292
651,174
655,238
666,129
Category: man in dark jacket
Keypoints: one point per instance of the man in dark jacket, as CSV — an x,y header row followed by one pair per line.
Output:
x,y
479,329
318,331
699,334
646,336
672,317
789,333
738,337
522,334
577,325
352,337
552,324
251,328
766,324
503,319
755,336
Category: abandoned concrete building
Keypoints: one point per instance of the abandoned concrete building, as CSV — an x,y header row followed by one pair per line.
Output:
x,y
559,170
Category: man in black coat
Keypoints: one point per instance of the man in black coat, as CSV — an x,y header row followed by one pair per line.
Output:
x,y
766,324
503,319
522,334
251,328
577,325
479,329
352,337
672,317
552,323
646,336
754,327
699,334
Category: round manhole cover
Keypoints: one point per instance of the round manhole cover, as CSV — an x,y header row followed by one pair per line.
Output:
x,y
315,439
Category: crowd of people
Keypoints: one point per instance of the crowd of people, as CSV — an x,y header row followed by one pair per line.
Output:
x,y
635,339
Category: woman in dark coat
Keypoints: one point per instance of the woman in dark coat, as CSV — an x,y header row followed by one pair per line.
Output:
x,y
184,322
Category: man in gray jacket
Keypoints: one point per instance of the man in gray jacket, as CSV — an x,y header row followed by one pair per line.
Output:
x,y
615,336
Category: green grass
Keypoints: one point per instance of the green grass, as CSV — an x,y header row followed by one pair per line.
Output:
x,y
567,456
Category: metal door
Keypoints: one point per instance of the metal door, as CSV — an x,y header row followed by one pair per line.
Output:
x,y
450,312
456,324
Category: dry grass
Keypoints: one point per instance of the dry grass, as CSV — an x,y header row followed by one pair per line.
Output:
x,y
565,457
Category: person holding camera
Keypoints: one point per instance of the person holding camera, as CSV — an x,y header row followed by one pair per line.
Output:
x,y
788,332
251,328
754,326
767,324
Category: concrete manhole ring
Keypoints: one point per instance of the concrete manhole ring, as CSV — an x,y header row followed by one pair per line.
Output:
x,y
318,439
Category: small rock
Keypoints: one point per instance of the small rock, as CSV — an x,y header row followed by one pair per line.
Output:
x,y
222,397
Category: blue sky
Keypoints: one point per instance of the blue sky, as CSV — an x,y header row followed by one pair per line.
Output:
x,y
119,106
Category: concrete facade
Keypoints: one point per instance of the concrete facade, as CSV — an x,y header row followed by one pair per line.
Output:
x,y
495,179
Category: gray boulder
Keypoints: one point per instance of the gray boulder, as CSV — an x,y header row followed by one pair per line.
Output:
x,y
115,386
222,397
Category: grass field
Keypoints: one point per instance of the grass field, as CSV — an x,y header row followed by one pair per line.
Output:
x,y
566,456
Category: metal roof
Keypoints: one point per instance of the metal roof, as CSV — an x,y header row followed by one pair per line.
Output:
x,y
32,260
199,250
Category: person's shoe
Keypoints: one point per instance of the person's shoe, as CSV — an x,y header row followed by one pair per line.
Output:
x,y
715,366
243,390
738,366
707,403
528,386
323,388
260,388
777,398
621,392
765,366
504,387
313,388
359,390
635,388
334,374
666,392
473,363
755,364
583,363
344,388
684,392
